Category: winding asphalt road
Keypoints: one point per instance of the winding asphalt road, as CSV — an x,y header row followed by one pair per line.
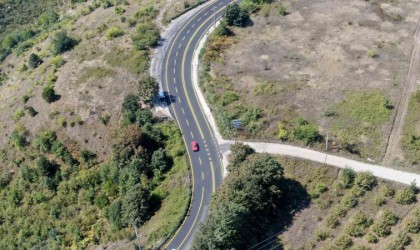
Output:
x,y
206,164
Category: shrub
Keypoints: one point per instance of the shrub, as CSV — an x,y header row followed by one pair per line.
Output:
x,y
347,177
87,155
371,238
379,200
281,131
282,10
222,30
25,99
366,180
319,189
31,111
358,224
399,242
235,15
372,53
34,61
18,139
146,36
321,235
62,43
388,191
148,89
305,131
349,201
114,32
343,242
389,218
57,61
332,220
48,94
381,229
119,10
228,97
48,18
18,114
405,196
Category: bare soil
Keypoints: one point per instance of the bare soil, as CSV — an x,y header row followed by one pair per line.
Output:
x,y
311,60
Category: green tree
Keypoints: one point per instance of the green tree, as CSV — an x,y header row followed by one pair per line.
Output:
x,y
405,196
48,94
239,153
34,61
114,213
135,207
235,16
148,88
305,131
347,177
366,181
130,104
48,18
61,43
160,160
146,36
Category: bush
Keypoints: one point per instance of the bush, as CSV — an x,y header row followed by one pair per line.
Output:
x,y
48,94
332,220
319,189
366,180
379,200
321,235
62,43
305,131
235,15
358,224
347,177
34,61
405,196
146,36
282,10
399,242
343,242
114,32
228,97
222,30
371,238
18,139
31,111
349,201
119,10
148,89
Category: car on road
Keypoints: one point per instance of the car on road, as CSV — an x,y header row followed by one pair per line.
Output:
x,y
194,146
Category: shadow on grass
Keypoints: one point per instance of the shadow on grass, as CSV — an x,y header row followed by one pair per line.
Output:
x,y
295,199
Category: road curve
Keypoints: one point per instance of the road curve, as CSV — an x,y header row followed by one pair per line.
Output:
x,y
176,80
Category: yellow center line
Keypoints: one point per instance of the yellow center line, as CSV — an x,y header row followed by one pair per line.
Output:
x,y
177,120
195,219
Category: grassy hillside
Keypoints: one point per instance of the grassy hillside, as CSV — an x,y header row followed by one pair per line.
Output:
x,y
77,132
290,81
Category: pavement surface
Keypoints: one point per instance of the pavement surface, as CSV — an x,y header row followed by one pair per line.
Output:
x,y
176,80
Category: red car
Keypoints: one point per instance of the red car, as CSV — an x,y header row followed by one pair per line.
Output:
x,y
194,145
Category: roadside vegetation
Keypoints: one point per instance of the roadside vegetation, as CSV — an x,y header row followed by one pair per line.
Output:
x,y
82,159
305,205
411,137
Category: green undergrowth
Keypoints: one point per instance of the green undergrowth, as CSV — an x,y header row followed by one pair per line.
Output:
x,y
411,134
358,120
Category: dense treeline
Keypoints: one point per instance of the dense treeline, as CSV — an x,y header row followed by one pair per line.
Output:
x,y
245,204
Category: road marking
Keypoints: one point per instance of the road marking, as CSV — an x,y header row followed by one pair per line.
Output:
x,y
179,45
207,149
183,38
174,80
174,71
176,89
176,53
193,25
202,175
188,124
195,219
199,158
188,31
208,154
175,62
183,111
199,19
213,175
220,3
205,145
205,14
179,100
192,134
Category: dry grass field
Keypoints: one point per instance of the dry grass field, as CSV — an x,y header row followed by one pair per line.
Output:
x,y
340,65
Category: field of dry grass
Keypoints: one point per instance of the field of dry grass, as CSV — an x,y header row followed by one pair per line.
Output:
x,y
339,65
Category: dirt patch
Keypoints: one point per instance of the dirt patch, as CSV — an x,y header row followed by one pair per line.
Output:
x,y
311,60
